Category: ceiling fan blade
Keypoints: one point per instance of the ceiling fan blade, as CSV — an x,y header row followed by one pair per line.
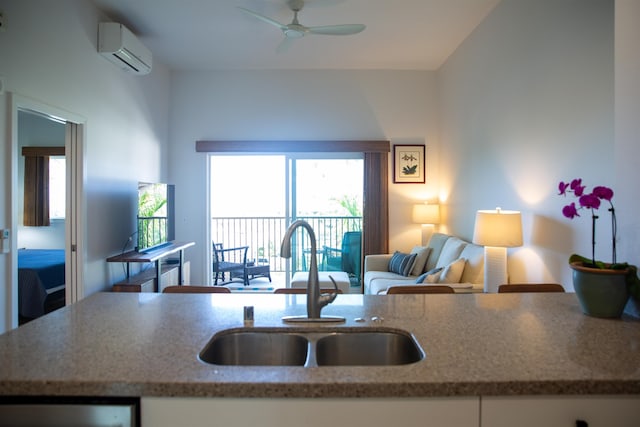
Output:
x,y
285,44
263,18
338,30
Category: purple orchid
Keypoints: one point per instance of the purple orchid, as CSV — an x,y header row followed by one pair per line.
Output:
x,y
604,193
590,201
570,211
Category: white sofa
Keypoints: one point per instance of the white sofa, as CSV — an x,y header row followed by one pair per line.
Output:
x,y
442,251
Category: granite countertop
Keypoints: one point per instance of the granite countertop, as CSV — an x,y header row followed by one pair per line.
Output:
x,y
122,344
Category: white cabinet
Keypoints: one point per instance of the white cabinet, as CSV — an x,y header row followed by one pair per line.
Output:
x,y
527,411
347,412
561,411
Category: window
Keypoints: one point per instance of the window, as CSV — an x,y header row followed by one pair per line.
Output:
x,y
37,192
57,187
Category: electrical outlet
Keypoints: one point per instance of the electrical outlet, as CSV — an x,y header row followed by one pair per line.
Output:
x,y
3,23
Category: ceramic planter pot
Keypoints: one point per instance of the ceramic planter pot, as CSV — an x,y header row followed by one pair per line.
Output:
x,y
601,292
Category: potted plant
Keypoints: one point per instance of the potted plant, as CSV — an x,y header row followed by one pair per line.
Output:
x,y
603,289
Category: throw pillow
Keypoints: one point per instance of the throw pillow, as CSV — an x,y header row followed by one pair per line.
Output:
x,y
422,255
452,272
425,276
450,251
402,263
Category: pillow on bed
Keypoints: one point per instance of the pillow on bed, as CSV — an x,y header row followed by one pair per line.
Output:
x,y
402,263
452,272
429,276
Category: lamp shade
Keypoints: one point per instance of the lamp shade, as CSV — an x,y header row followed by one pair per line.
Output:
x,y
426,214
498,228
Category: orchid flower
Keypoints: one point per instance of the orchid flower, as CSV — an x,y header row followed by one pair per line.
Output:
x,y
590,201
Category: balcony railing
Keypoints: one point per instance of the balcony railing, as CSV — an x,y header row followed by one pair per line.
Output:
x,y
264,235
151,231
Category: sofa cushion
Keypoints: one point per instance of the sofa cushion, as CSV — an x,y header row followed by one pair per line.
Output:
x,y
434,277
402,263
422,255
474,268
424,276
452,272
377,281
450,251
436,244
377,262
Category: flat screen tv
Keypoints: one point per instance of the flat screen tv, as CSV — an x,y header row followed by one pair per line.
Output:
x,y
155,216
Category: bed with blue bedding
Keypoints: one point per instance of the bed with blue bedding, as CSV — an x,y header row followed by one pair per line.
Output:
x,y
40,279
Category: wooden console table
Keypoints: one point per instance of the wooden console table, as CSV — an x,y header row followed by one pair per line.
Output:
x,y
156,256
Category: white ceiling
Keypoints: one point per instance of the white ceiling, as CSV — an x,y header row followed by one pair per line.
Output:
x,y
215,34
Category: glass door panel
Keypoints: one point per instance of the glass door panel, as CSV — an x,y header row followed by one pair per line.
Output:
x,y
255,197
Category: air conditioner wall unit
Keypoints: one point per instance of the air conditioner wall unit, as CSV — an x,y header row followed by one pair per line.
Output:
x,y
122,47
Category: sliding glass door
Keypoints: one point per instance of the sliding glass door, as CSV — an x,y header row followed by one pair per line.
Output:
x,y
255,197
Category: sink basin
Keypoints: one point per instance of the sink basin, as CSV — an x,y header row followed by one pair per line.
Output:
x,y
252,348
312,348
372,348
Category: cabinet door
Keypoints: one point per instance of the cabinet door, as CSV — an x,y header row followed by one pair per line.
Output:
x,y
348,412
560,411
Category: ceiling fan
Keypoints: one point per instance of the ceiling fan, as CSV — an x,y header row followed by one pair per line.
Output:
x,y
295,30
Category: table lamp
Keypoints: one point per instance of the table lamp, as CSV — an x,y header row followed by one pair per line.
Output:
x,y
427,215
497,230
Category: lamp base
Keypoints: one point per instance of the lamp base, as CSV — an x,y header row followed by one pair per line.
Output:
x,y
495,268
427,232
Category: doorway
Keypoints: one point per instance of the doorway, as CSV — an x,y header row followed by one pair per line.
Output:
x,y
33,121
253,199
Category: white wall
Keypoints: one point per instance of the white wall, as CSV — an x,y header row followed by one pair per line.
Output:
x,y
627,147
528,101
48,54
297,105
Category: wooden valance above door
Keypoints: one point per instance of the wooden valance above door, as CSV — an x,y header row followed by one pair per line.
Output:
x,y
293,146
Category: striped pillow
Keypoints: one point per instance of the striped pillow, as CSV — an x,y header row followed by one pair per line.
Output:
x,y
402,263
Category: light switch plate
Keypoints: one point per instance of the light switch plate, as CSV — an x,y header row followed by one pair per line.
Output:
x,y
5,241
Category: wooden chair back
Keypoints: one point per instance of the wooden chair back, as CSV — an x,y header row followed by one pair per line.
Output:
x,y
530,287
420,289
193,289
304,291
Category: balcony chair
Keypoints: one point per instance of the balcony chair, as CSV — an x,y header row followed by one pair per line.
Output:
x,y
530,287
348,258
228,260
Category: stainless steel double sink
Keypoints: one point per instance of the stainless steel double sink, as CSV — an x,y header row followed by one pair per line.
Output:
x,y
311,348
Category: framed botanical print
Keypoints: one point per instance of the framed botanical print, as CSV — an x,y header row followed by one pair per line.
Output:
x,y
408,164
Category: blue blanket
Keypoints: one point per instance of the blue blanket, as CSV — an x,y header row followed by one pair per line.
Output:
x,y
40,272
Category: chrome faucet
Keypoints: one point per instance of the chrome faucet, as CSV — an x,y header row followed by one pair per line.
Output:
x,y
315,300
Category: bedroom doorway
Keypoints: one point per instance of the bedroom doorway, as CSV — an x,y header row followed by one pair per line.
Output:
x,y
32,124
